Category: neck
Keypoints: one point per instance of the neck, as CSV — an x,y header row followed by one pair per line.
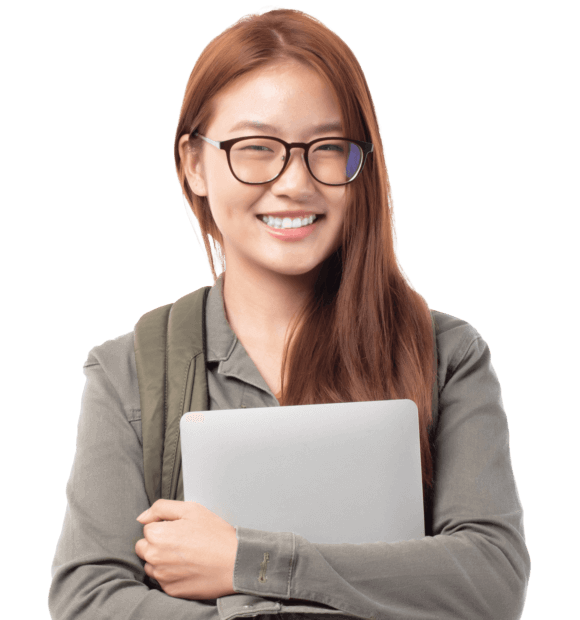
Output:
x,y
259,307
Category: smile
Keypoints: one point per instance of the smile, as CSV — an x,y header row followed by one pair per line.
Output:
x,y
297,222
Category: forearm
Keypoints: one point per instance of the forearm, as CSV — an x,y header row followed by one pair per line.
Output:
x,y
463,575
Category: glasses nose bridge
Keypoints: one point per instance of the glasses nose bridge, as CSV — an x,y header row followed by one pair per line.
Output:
x,y
296,145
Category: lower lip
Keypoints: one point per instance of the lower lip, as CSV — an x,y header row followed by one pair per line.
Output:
x,y
291,234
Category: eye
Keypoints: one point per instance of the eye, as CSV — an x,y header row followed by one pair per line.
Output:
x,y
330,147
255,147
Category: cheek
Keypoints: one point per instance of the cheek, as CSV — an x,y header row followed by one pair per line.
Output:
x,y
336,199
231,202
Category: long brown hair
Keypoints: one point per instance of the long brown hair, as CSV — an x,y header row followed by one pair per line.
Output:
x,y
365,334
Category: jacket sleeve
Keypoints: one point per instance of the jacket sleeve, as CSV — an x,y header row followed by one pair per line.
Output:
x,y
96,573
474,566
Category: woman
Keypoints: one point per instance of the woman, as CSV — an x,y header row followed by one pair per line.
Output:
x,y
312,308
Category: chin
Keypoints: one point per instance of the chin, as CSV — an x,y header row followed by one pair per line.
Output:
x,y
295,270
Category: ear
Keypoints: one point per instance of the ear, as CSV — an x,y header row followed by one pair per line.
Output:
x,y
192,166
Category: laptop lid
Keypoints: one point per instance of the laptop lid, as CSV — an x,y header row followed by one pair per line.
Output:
x,y
333,473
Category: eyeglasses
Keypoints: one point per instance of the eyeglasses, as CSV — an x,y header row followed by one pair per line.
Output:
x,y
256,160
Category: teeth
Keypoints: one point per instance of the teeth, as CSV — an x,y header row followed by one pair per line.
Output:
x,y
277,222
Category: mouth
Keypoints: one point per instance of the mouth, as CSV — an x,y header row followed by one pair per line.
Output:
x,y
289,222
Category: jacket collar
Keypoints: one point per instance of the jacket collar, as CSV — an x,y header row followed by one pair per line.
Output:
x,y
222,344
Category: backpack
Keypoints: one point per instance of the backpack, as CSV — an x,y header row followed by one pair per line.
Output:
x,y
171,370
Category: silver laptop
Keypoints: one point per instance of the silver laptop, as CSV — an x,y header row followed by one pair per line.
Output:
x,y
333,473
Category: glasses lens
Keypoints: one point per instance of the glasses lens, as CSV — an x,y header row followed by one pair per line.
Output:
x,y
335,161
259,160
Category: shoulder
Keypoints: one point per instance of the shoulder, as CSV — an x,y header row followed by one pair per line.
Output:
x,y
116,358
452,330
113,353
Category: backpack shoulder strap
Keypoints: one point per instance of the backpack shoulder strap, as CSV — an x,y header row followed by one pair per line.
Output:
x,y
170,360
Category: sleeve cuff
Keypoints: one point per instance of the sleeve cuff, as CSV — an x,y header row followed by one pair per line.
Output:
x,y
240,605
264,562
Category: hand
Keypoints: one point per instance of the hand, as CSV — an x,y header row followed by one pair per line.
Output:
x,y
188,549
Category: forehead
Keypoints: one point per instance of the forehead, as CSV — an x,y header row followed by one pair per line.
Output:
x,y
287,96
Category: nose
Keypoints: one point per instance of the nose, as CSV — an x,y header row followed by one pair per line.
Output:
x,y
295,180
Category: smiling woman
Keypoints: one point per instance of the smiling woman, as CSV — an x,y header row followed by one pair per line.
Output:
x,y
279,155
288,101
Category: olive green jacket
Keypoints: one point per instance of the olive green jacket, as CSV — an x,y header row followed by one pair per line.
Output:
x,y
474,564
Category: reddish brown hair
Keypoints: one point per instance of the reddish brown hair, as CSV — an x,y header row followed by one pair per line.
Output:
x,y
365,334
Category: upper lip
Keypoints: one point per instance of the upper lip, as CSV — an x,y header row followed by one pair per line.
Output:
x,y
289,213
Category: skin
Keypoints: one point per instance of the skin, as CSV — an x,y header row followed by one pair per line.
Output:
x,y
188,549
267,280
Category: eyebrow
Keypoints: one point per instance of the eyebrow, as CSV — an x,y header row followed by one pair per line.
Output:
x,y
324,128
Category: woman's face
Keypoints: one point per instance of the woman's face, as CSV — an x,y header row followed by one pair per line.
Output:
x,y
287,101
